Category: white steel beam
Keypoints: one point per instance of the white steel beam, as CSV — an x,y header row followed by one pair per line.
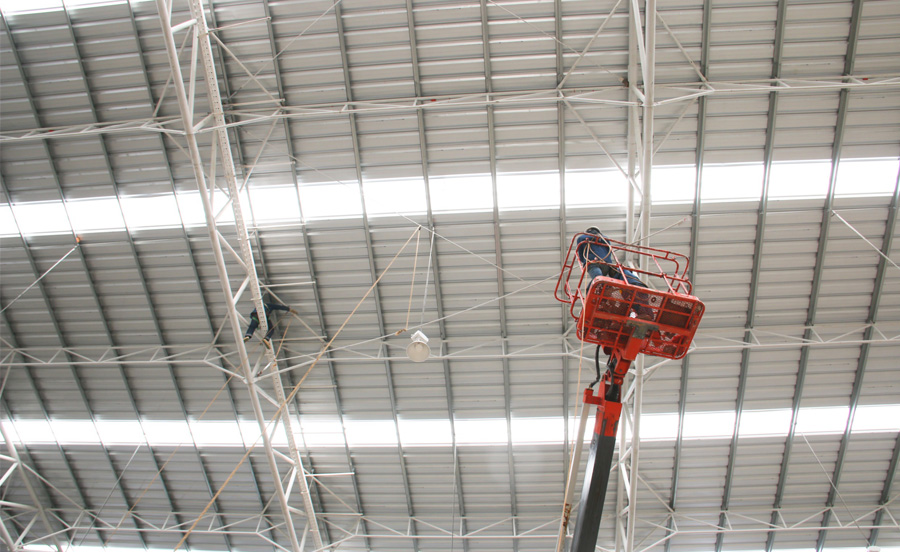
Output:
x,y
202,43
595,96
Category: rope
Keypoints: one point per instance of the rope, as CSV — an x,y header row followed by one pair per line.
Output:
x,y
293,393
412,284
41,277
427,274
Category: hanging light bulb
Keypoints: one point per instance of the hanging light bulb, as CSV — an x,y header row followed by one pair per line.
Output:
x,y
418,350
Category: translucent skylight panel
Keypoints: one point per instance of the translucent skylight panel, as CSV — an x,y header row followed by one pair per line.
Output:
x,y
824,420
883,418
7,223
322,433
707,425
673,184
93,215
867,176
537,430
42,218
363,433
386,197
807,179
466,193
515,191
192,214
275,204
596,188
151,212
481,432
330,200
524,191
425,432
732,182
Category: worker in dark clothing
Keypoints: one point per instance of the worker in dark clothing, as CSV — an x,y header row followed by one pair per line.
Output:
x,y
254,321
596,255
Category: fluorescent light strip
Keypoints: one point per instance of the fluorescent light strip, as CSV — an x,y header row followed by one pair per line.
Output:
x,y
317,433
459,193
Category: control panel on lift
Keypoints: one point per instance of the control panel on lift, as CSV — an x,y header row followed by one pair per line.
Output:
x,y
606,311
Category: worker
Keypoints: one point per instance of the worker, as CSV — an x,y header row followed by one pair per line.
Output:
x,y
254,322
597,254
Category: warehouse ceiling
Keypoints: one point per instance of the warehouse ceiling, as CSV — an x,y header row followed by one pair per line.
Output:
x,y
423,165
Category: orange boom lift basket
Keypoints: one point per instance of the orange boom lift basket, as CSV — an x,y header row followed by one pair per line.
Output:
x,y
606,313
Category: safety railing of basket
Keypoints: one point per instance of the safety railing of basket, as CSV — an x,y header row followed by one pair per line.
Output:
x,y
671,267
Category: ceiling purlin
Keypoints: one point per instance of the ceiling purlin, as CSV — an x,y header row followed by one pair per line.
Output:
x,y
434,272
849,60
696,208
759,240
879,286
501,288
193,263
376,295
868,334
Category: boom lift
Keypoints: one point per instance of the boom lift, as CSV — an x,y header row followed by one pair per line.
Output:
x,y
624,319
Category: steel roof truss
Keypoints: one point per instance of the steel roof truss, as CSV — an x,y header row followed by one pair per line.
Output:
x,y
224,149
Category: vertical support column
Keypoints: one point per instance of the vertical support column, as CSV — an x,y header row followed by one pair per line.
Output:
x,y
648,62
